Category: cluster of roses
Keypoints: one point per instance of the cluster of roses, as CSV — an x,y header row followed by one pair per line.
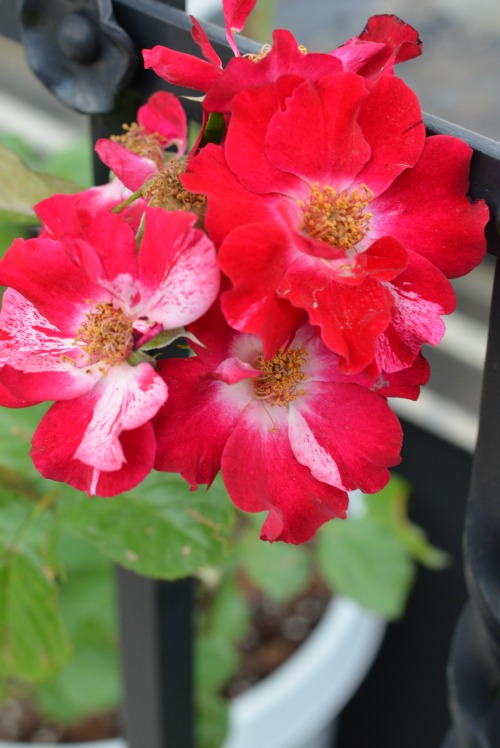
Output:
x,y
305,256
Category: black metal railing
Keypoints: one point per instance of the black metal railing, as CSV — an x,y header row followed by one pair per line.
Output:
x,y
156,616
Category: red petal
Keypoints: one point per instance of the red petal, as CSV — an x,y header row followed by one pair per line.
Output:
x,y
177,265
391,121
58,436
401,38
164,114
427,210
405,383
236,13
255,257
59,289
322,425
422,294
274,481
336,149
132,170
351,318
385,41
181,69
248,135
229,204
285,58
201,38
201,411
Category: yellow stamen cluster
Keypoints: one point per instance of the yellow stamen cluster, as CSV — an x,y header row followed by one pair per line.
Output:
x,y
263,52
165,190
106,337
337,218
137,140
281,376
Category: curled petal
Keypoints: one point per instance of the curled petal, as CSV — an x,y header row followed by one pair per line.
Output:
x,y
422,294
181,69
131,169
236,13
164,115
201,38
385,41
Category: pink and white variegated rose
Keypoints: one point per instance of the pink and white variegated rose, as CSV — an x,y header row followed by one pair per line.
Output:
x,y
291,434
79,320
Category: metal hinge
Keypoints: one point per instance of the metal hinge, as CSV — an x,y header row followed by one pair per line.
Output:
x,y
78,51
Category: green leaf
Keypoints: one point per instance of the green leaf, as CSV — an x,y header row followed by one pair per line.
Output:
x,y
33,640
229,614
390,507
91,681
216,662
279,570
226,621
365,561
89,685
212,718
17,426
73,163
9,232
21,188
160,529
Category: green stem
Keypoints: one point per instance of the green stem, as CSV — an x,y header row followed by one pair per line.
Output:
x,y
44,503
129,200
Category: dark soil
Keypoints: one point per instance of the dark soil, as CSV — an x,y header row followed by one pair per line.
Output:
x,y
20,722
278,630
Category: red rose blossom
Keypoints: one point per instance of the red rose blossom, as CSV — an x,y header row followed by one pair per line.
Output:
x,y
328,200
291,434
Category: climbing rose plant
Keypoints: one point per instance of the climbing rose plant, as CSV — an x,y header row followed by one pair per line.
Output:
x,y
299,253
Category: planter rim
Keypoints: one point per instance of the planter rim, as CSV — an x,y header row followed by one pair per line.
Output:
x,y
317,681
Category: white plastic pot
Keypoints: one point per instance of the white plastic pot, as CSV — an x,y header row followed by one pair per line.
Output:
x,y
296,706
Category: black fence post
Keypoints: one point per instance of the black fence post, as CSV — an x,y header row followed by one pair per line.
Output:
x,y
157,661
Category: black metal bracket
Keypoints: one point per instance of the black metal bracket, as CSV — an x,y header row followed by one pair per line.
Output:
x,y
77,50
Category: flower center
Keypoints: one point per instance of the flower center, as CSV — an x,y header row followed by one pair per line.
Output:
x,y
106,335
137,140
337,218
281,375
165,189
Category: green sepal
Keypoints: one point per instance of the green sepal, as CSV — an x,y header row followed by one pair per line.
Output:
x,y
214,130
